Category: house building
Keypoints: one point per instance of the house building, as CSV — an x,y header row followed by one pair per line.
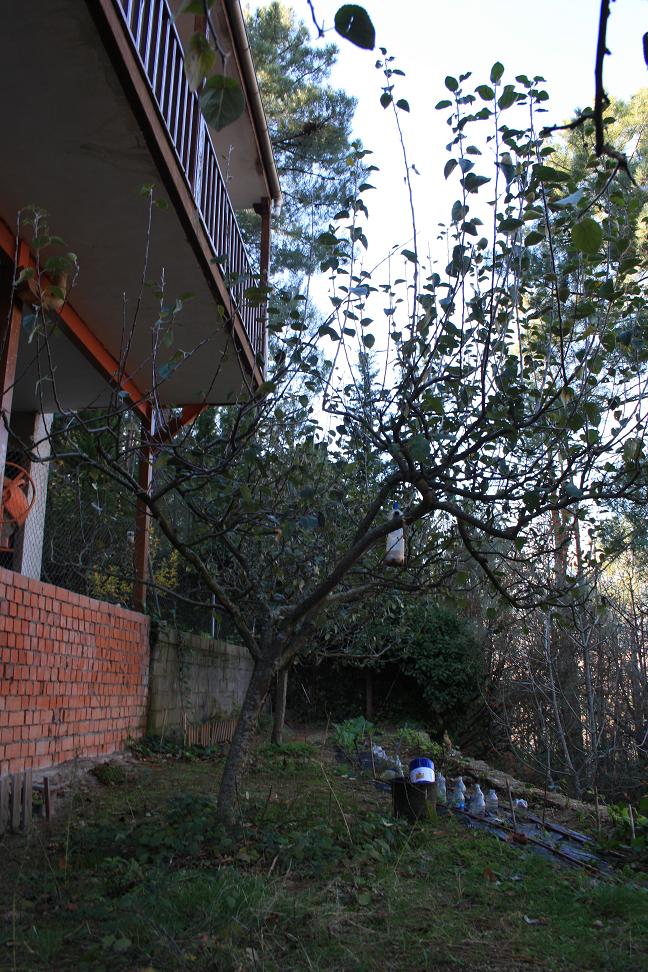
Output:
x,y
104,133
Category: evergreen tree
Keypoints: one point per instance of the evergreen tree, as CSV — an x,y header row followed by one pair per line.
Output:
x,y
310,127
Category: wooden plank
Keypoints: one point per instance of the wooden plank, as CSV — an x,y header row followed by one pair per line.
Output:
x,y
4,803
27,801
16,800
47,799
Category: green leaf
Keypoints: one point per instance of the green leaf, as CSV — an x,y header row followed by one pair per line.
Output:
x,y
386,99
448,167
587,236
497,71
451,83
472,182
25,274
485,92
546,173
368,340
442,104
507,98
327,239
419,448
327,331
403,104
533,238
221,101
410,255
354,24
510,225
199,60
265,388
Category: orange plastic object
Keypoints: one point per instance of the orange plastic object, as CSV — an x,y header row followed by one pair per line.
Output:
x,y
18,497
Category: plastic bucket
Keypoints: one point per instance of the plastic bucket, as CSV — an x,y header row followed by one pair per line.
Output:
x,y
421,770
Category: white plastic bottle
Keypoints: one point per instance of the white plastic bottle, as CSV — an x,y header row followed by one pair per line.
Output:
x,y
459,794
492,804
477,804
442,796
395,544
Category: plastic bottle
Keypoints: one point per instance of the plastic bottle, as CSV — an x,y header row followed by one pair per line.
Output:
x,y
459,795
492,804
442,796
477,805
395,544
399,766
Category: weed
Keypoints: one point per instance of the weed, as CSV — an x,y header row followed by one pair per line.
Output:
x,y
110,774
348,735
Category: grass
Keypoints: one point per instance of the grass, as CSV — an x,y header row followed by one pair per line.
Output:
x,y
138,876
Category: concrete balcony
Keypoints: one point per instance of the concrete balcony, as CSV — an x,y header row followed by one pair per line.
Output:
x,y
97,106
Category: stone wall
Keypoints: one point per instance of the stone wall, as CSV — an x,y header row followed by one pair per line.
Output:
x,y
73,674
194,676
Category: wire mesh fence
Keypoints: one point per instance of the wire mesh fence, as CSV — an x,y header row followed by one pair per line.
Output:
x,y
79,534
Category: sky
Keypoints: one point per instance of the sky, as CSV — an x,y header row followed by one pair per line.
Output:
x,y
433,38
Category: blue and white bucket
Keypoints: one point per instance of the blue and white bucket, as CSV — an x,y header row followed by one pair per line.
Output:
x,y
421,770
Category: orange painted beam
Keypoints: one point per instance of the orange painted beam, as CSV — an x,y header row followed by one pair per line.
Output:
x,y
78,330
189,413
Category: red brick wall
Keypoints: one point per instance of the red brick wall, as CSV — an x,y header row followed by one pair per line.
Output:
x,y
73,674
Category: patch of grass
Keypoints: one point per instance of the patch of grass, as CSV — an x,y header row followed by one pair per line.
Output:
x,y
317,876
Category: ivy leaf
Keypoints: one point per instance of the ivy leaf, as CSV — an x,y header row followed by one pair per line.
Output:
x,y
354,24
451,83
368,340
497,71
199,61
386,99
403,104
587,236
221,101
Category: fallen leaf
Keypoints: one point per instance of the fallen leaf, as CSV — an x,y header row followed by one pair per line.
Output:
x,y
489,874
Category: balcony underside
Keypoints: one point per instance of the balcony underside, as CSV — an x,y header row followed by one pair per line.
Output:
x,y
75,147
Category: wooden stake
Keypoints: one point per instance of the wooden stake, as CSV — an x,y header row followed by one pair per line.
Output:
x,y
46,797
510,799
27,801
598,811
632,823
16,795
4,803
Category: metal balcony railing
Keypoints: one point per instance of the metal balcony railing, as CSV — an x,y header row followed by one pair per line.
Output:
x,y
154,37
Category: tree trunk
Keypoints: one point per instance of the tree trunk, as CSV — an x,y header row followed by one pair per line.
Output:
x,y
281,692
259,686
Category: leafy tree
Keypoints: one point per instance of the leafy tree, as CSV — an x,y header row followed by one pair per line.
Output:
x,y
506,399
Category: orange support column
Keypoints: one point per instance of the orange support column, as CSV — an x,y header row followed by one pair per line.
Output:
x,y
142,518
10,322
